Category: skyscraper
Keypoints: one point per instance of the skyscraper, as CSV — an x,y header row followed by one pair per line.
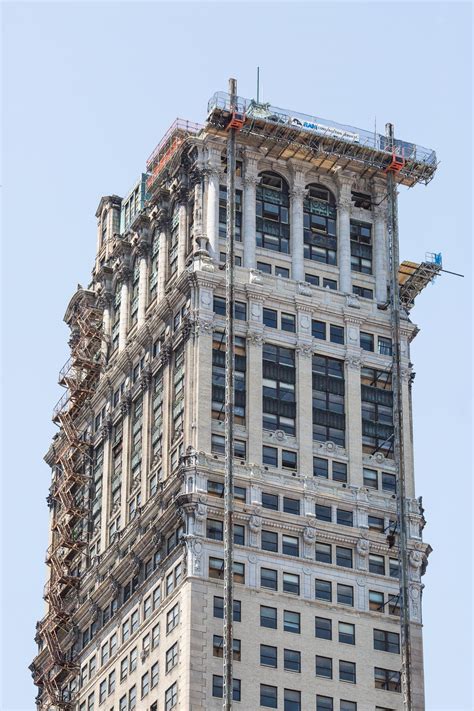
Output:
x,y
134,595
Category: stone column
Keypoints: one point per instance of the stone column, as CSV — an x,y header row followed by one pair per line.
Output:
x,y
304,404
249,216
106,476
162,260
105,300
124,306
353,418
143,251
296,225
145,383
344,234
182,233
254,397
380,255
203,368
126,407
213,211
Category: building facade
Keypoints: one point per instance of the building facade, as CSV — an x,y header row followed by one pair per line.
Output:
x,y
134,597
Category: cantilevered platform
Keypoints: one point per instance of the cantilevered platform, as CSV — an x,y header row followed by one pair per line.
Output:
x,y
414,277
326,144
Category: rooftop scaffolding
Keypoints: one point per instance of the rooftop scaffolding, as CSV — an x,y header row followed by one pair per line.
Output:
x,y
327,144
166,149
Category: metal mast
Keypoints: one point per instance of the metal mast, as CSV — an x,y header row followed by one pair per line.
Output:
x,y
399,453
229,411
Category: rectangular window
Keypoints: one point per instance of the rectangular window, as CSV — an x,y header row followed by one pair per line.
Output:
x,y
279,378
329,284
288,323
345,594
386,641
290,545
292,660
269,541
218,609
318,329
387,679
218,378
264,267
339,471
323,590
215,530
324,703
268,617
218,688
344,517
270,501
324,667
323,628
344,557
376,523
366,341
145,684
154,675
376,601
385,346
291,583
389,482
323,553
346,633
291,506
377,411
336,334
268,656
311,279
270,456
291,621
282,272
240,311
239,534
171,696
172,618
328,400
363,292
370,478
348,705
292,700
320,467
289,460
269,578
361,247
377,564
270,318
268,696
171,657
347,671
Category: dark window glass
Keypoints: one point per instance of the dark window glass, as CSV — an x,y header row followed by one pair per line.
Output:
x,y
323,628
270,318
269,578
389,482
324,703
270,501
323,553
328,400
291,583
215,530
344,518
292,700
387,641
346,633
240,311
270,456
345,594
323,513
272,213
320,467
291,621
269,541
290,545
268,656
219,305
312,279
268,696
323,590
324,667
318,329
289,460
347,671
344,556
366,341
268,617
370,478
336,334
292,660
264,267
282,272
291,506
288,323
363,292
319,223
339,471
329,283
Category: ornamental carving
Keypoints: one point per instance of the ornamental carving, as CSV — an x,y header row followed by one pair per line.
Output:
x,y
353,362
352,301
363,547
415,561
309,534
304,351
256,339
255,277
304,289
255,523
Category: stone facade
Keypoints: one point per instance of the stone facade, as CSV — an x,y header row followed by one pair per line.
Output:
x,y
148,604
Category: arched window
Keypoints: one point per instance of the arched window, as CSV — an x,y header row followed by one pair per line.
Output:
x,y
153,276
116,321
174,236
273,219
320,237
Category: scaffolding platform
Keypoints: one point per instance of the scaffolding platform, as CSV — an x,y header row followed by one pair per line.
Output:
x,y
178,132
326,144
414,277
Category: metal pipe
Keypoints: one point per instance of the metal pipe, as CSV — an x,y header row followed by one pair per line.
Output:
x,y
229,412
392,206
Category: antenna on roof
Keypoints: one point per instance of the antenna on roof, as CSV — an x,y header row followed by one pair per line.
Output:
x,y
258,85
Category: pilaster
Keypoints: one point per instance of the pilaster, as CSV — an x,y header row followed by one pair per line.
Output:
x,y
344,234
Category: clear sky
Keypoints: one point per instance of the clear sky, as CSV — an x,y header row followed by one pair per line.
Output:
x,y
88,90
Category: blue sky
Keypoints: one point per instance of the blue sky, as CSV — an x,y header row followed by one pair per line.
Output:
x,y
88,90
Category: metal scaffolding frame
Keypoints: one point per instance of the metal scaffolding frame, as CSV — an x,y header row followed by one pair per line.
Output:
x,y
68,496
